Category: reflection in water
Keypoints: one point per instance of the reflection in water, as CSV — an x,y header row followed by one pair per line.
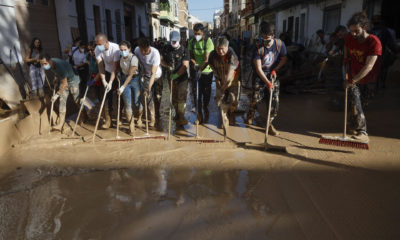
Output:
x,y
136,202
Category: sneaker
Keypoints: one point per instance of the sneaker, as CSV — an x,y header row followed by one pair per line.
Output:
x,y
272,131
361,136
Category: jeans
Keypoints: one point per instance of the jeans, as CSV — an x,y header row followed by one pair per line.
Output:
x,y
73,88
132,90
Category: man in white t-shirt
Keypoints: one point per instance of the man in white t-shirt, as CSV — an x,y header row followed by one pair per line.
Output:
x,y
150,59
107,53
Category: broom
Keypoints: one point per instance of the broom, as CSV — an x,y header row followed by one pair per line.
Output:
x,y
344,141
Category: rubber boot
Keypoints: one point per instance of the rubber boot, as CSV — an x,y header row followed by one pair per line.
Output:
x,y
61,121
181,120
131,122
107,123
152,122
139,119
225,120
250,114
176,111
206,114
200,114
232,120
272,131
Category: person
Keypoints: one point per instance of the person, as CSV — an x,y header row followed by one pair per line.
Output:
x,y
80,65
177,58
36,72
93,68
340,34
225,65
200,48
131,84
107,57
72,49
389,47
362,52
150,59
268,59
68,84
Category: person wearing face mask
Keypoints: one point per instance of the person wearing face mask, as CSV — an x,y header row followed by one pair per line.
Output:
x,y
107,57
79,64
268,58
68,84
362,53
131,84
225,65
200,48
176,57
150,59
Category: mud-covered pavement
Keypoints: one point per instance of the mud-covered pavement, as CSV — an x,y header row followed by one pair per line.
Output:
x,y
53,188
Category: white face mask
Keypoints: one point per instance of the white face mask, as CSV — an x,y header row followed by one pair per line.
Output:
x,y
176,45
199,37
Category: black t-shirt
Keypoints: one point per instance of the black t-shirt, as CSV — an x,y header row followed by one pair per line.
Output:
x,y
174,58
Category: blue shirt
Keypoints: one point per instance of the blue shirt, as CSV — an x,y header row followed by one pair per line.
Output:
x,y
63,70
270,57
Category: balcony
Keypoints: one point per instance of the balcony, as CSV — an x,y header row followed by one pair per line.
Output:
x,y
260,5
248,10
166,12
155,9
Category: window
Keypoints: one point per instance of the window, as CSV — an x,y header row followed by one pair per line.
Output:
x,y
118,25
290,26
109,25
296,29
284,25
331,18
97,21
302,27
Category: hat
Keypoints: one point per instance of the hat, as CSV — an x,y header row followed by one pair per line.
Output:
x,y
174,36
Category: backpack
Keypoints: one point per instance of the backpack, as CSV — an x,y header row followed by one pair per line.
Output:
x,y
278,44
71,57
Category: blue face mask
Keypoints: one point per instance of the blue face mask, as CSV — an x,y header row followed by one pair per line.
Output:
x,y
124,53
46,67
101,48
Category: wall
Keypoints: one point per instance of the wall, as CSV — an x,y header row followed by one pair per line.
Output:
x,y
9,32
66,19
315,15
37,20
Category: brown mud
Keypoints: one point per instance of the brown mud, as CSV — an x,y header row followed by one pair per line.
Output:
x,y
54,188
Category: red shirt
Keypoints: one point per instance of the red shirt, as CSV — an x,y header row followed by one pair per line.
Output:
x,y
358,53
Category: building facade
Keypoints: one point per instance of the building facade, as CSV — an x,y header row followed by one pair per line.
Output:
x,y
300,18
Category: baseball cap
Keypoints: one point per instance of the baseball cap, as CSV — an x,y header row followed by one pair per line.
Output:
x,y
174,36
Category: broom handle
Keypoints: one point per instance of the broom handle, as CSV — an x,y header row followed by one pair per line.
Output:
x,y
80,111
98,118
51,108
345,112
197,104
119,104
345,101
269,112
145,107
170,110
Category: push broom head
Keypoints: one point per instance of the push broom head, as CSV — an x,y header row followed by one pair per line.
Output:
x,y
343,142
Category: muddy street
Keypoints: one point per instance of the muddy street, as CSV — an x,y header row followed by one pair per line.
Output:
x,y
54,188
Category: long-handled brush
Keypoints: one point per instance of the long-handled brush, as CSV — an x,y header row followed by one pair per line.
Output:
x,y
344,141
51,109
147,135
197,139
268,146
100,111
